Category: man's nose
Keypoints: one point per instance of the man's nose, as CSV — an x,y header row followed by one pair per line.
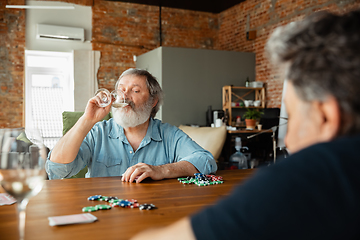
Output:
x,y
124,91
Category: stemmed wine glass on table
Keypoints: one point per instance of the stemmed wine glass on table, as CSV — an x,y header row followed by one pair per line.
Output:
x,y
106,98
22,167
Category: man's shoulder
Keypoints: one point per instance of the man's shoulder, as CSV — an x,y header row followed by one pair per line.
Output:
x,y
163,126
340,146
339,156
164,130
105,126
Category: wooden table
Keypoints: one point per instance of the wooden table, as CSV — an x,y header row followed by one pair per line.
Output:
x,y
68,196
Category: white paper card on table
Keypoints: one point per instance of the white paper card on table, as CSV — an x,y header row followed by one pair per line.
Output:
x,y
6,199
72,219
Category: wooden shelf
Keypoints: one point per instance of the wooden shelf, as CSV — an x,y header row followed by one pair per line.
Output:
x,y
229,96
245,107
249,131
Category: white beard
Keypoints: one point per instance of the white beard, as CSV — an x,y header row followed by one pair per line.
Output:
x,y
133,116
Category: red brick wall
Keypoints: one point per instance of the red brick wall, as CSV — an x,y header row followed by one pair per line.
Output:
x,y
264,16
12,46
121,30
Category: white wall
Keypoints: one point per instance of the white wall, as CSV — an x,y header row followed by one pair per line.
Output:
x,y
152,62
80,17
192,79
86,62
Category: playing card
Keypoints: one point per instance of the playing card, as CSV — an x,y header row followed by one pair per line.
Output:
x,y
72,219
6,199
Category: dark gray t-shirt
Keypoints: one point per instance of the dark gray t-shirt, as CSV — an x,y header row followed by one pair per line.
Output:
x,y
313,194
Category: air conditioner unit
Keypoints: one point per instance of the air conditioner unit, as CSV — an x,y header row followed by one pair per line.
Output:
x,y
44,31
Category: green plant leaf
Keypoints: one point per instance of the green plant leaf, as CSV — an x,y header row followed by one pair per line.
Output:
x,y
253,114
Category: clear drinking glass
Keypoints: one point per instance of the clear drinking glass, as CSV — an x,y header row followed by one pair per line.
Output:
x,y
22,167
106,98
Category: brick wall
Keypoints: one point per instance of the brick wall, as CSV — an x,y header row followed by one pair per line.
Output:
x,y
121,30
264,16
12,46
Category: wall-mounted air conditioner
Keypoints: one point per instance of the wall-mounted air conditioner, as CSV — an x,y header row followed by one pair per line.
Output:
x,y
45,31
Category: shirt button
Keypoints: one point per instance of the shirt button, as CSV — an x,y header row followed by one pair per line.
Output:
x,y
130,151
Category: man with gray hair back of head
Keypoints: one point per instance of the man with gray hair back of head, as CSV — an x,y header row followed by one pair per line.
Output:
x,y
321,56
315,193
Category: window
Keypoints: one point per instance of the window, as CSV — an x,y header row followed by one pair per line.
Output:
x,y
49,90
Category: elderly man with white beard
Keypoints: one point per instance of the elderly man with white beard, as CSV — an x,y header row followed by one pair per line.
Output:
x,y
132,143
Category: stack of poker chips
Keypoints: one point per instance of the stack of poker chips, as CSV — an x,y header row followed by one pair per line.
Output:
x,y
201,179
96,208
116,202
147,206
124,203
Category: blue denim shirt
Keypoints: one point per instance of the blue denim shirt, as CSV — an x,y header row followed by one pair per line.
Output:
x,y
107,152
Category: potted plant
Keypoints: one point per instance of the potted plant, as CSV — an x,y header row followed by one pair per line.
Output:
x,y
251,115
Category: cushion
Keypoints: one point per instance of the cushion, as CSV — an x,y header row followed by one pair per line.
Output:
x,y
209,138
70,118
23,137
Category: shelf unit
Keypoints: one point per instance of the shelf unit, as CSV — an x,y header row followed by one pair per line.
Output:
x,y
235,94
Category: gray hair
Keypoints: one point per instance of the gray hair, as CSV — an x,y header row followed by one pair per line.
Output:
x,y
321,55
152,84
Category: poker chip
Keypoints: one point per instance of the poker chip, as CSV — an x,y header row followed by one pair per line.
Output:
x,y
199,175
103,207
95,197
218,182
89,209
114,204
186,182
108,199
124,203
147,206
102,198
202,183
215,178
115,200
201,179
135,205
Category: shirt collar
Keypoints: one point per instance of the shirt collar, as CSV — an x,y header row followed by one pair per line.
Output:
x,y
117,131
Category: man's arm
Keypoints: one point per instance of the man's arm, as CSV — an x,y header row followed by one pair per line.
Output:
x,y
189,158
67,148
179,230
171,170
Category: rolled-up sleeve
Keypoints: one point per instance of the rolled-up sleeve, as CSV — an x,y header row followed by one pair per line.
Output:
x,y
61,170
188,150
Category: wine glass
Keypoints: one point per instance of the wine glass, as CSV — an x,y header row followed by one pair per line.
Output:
x,y
106,98
22,167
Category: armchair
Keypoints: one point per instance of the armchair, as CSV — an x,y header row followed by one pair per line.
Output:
x,y
209,138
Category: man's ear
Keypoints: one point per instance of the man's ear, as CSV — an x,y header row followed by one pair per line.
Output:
x,y
155,102
331,118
